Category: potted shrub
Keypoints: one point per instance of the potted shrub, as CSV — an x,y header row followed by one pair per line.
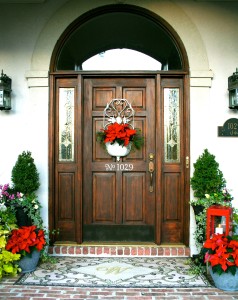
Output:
x,y
221,255
209,188
25,179
207,178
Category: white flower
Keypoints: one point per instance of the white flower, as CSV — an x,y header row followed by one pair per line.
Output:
x,y
36,206
3,207
207,196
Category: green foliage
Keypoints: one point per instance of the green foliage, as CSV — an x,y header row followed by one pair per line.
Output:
x,y
7,217
8,260
25,177
137,140
207,178
208,185
223,198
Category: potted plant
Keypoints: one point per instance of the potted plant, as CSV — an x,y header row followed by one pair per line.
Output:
x,y
119,139
7,213
27,241
207,179
25,179
221,255
209,188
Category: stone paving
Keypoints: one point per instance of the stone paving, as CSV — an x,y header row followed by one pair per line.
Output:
x,y
9,291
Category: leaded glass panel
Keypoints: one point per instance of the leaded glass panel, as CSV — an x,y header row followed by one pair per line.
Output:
x,y
171,125
66,124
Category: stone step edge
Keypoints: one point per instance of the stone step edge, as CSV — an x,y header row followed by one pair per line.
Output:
x,y
80,250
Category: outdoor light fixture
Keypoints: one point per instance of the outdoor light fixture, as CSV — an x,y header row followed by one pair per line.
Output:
x,y
5,92
233,90
218,220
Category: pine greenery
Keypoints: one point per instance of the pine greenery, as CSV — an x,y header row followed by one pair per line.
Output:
x,y
25,177
207,178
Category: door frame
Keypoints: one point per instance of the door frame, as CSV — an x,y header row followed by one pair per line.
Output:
x,y
186,153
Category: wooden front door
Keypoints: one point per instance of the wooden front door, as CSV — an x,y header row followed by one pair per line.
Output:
x,y
117,202
96,198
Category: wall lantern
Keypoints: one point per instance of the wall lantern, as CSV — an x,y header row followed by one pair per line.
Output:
x,y
219,220
5,92
233,90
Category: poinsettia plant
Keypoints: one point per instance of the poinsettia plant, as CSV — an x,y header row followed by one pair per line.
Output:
x,y
123,134
25,239
221,253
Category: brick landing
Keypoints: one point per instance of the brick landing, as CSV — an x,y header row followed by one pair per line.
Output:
x,y
119,250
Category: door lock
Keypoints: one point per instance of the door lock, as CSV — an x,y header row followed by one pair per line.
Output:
x,y
151,170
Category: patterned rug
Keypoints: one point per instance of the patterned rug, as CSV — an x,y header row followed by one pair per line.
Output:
x,y
115,272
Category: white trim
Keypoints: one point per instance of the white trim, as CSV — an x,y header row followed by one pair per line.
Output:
x,y
201,78
37,78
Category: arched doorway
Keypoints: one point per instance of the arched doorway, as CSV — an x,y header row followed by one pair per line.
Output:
x,y
89,201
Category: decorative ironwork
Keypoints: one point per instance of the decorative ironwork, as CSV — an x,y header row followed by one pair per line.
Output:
x,y
120,111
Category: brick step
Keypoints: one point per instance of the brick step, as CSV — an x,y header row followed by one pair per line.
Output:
x,y
119,250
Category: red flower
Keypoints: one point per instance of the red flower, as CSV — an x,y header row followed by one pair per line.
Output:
x,y
121,132
25,238
221,251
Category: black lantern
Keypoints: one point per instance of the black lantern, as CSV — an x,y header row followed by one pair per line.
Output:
x,y
233,90
5,92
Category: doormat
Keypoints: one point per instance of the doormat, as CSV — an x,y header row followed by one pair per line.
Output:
x,y
126,272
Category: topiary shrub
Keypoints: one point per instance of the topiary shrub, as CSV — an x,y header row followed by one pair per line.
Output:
x,y
25,177
207,178
209,188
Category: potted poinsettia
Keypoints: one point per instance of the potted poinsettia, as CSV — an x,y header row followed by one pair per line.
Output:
x,y
119,138
221,254
27,241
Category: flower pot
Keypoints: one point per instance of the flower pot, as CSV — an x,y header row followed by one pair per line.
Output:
x,y
197,209
29,263
118,150
225,281
22,217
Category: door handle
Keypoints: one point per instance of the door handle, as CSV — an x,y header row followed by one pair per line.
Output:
x,y
151,170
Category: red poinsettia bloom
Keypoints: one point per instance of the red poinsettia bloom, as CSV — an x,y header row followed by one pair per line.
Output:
x,y
221,251
121,132
25,239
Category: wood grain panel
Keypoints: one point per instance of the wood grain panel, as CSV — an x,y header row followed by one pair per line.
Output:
x,y
172,197
104,197
101,96
66,196
134,198
136,96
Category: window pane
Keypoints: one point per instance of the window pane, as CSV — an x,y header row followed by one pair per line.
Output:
x,y
171,125
121,59
66,124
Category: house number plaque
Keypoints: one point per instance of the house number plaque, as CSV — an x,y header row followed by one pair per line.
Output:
x,y
119,167
229,128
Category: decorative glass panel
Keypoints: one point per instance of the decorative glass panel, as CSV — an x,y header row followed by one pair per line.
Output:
x,y
66,124
171,125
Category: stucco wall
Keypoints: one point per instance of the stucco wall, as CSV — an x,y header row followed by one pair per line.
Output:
x,y
28,36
